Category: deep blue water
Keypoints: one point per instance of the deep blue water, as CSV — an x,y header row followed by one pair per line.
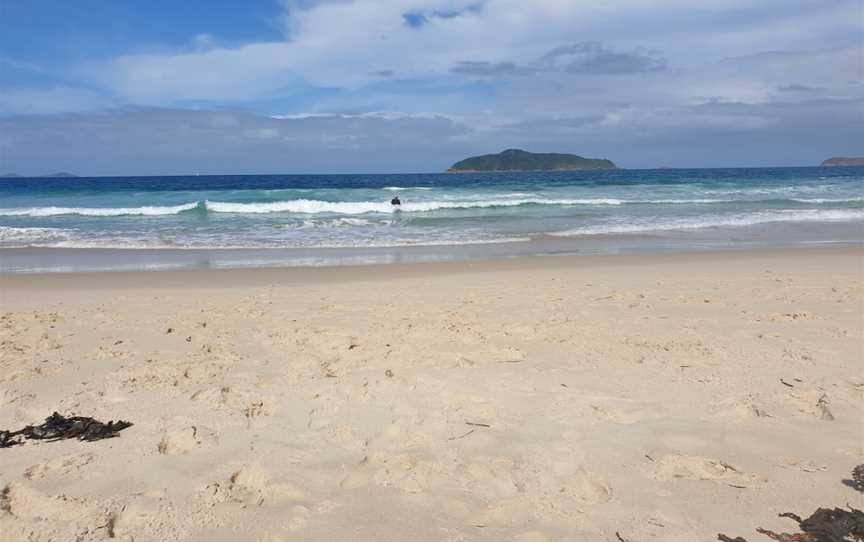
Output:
x,y
314,211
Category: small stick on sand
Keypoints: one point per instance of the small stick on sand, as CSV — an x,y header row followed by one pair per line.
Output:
x,y
786,383
461,436
475,424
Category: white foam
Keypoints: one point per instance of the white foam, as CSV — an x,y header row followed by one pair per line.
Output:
x,y
403,188
100,211
306,206
11,237
336,223
131,244
391,243
684,201
828,200
807,215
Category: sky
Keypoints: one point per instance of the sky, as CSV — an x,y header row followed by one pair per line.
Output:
x,y
364,86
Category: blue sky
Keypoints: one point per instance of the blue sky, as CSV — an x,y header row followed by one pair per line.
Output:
x,y
296,86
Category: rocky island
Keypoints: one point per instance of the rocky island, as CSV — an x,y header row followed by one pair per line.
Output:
x,y
843,161
519,160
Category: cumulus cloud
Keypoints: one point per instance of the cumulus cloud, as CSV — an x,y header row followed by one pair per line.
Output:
x,y
343,44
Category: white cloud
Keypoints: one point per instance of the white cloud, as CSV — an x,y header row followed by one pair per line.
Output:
x,y
348,44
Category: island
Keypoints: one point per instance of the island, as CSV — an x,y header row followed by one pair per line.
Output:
x,y
519,160
58,175
843,161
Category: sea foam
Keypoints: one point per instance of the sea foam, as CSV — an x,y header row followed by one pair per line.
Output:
x,y
688,223
101,211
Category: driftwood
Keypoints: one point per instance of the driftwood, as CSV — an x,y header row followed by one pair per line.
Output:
x,y
58,427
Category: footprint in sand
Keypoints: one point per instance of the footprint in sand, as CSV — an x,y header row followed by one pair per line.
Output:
x,y
586,488
624,415
244,398
692,467
495,355
250,485
181,440
23,501
813,402
741,409
60,466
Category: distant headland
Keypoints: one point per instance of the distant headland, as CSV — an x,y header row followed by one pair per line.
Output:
x,y
844,161
59,174
519,160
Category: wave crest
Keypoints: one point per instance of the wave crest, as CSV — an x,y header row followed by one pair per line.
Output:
x,y
311,206
306,206
146,210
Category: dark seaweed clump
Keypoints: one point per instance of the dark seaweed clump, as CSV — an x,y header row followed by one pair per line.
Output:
x,y
59,427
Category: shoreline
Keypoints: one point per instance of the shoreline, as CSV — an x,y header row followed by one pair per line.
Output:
x,y
770,236
329,274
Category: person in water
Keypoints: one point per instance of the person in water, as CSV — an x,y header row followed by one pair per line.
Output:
x,y
395,201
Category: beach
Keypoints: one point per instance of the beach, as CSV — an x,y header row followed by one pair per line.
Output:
x,y
657,396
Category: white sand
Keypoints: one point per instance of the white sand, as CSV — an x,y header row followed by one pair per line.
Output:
x,y
535,399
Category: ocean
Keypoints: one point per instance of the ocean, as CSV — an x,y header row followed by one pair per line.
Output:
x,y
111,223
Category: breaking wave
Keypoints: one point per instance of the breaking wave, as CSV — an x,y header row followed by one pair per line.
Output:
x,y
101,211
305,206
22,237
311,206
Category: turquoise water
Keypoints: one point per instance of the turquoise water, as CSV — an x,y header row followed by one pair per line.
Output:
x,y
353,211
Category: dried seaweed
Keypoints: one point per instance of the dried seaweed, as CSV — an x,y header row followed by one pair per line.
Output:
x,y
58,427
824,525
857,481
